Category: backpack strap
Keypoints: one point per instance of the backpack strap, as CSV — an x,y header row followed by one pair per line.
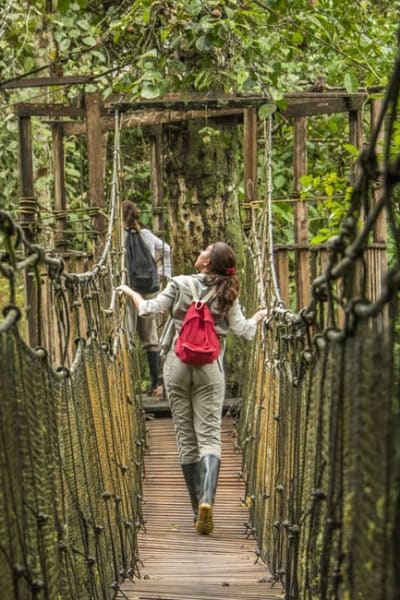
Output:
x,y
195,294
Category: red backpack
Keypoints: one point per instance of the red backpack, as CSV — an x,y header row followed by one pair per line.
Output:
x,y
197,342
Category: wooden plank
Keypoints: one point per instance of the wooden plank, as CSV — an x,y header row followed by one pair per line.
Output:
x,y
190,101
177,562
318,104
150,119
25,109
44,81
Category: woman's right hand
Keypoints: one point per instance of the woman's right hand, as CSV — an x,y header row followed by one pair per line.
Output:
x,y
260,315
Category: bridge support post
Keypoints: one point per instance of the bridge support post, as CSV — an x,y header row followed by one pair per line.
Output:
x,y
27,220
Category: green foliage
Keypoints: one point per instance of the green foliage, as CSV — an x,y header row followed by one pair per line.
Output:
x,y
333,196
147,48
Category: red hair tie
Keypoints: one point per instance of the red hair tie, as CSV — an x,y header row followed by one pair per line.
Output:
x,y
230,271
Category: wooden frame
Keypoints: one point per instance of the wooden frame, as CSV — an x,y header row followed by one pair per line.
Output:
x,y
94,118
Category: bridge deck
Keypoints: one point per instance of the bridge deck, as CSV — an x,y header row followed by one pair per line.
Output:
x,y
178,563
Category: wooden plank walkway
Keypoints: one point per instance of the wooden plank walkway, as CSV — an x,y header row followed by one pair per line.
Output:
x,y
177,562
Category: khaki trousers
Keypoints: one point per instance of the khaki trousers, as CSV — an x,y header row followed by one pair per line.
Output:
x,y
196,395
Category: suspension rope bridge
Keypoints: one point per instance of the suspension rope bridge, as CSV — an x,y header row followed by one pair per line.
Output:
x,y
317,435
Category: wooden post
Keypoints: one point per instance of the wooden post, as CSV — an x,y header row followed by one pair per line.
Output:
x,y
156,180
353,284
95,142
355,135
380,228
282,267
27,219
301,215
250,160
59,186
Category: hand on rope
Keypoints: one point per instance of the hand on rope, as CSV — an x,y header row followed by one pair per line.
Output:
x,y
260,315
134,296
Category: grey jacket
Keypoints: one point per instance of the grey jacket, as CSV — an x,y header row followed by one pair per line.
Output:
x,y
176,299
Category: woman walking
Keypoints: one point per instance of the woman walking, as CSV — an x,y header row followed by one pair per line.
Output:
x,y
157,251
196,392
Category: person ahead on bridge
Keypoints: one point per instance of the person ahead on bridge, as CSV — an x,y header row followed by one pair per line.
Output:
x,y
196,392
147,328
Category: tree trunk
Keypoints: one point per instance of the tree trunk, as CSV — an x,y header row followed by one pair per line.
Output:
x,y
202,182
201,170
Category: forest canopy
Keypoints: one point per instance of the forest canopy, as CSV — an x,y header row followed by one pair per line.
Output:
x,y
146,49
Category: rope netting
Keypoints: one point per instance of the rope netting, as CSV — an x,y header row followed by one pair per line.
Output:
x,y
320,423
72,438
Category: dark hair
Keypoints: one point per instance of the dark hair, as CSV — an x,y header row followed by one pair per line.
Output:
x,y
130,214
223,274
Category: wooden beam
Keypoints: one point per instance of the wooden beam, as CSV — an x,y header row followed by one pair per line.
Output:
x,y
151,119
192,101
45,82
95,142
250,158
301,214
380,227
320,104
165,111
59,186
156,170
355,135
27,219
25,160
281,259
24,109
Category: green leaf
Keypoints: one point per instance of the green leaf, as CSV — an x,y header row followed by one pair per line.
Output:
x,y
63,5
65,44
83,24
89,40
306,181
353,150
266,110
350,82
150,92
279,182
297,37
202,43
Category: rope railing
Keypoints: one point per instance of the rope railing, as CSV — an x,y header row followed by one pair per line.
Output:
x,y
319,426
72,436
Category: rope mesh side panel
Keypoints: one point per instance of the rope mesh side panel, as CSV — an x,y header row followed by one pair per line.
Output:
x,y
71,484
321,438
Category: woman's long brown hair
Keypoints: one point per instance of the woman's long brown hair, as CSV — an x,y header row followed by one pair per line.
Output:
x,y
131,215
223,275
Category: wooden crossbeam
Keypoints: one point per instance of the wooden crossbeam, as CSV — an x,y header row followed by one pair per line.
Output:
x,y
45,81
167,109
